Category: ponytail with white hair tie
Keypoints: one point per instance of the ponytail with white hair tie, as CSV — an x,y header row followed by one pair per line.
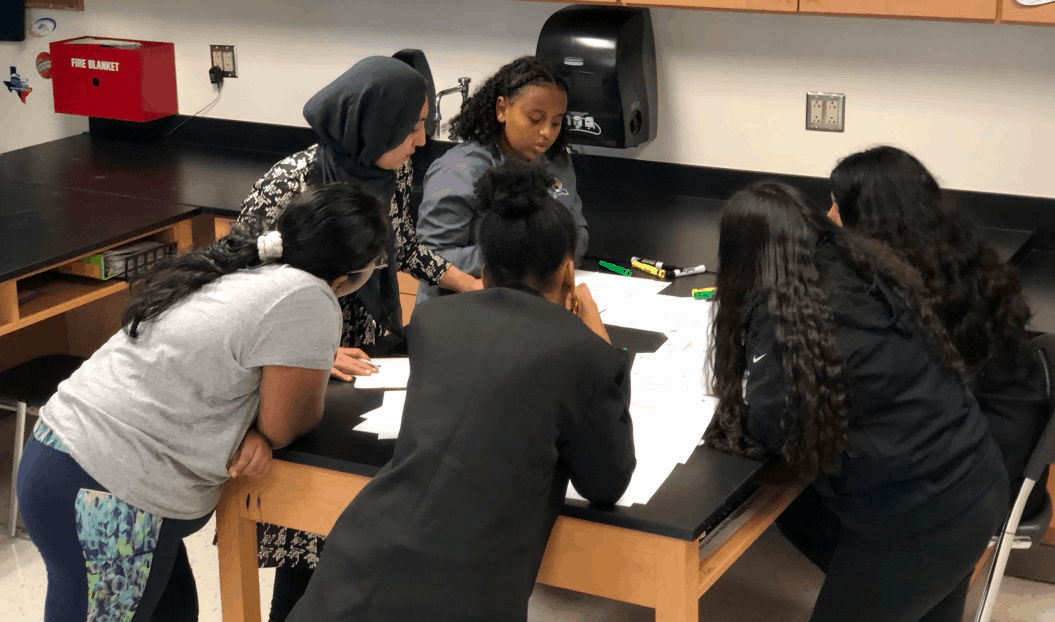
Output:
x,y
269,246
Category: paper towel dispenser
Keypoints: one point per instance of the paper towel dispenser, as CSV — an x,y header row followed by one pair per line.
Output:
x,y
607,55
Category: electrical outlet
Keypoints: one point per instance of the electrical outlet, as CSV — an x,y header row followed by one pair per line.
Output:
x,y
833,114
815,112
223,57
825,112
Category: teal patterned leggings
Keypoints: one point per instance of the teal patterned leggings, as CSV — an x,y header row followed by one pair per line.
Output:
x,y
107,561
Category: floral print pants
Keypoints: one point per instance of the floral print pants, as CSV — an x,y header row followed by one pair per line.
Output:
x,y
107,560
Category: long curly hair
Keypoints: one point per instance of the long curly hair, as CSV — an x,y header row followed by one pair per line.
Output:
x,y
327,231
888,194
477,120
769,237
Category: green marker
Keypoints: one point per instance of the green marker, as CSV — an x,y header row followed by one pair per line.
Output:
x,y
615,268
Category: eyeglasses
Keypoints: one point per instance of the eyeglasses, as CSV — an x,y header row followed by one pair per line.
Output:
x,y
380,262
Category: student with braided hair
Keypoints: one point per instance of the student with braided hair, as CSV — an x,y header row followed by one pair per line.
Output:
x,y
224,356
517,114
826,354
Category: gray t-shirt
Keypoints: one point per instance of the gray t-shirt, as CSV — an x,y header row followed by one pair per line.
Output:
x,y
448,214
156,419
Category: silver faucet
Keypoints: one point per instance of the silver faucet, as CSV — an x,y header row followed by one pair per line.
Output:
x,y
463,87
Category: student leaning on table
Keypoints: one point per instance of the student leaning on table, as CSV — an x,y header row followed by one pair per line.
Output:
x,y
517,114
888,194
509,396
225,354
825,354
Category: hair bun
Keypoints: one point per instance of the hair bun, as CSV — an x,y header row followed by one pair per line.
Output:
x,y
514,189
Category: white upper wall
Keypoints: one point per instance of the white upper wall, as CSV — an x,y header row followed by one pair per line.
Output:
x,y
973,101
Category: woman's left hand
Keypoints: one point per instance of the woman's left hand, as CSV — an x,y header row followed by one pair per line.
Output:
x,y
253,458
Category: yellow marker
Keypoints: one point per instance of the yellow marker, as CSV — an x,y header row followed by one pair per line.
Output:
x,y
654,271
703,293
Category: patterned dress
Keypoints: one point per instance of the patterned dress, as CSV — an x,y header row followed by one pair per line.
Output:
x,y
281,546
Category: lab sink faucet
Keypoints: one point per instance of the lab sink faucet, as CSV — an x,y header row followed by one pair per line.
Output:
x,y
463,87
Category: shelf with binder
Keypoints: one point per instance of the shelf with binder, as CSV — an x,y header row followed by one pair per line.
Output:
x,y
47,292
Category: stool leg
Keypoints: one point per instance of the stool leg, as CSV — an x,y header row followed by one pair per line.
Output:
x,y
20,437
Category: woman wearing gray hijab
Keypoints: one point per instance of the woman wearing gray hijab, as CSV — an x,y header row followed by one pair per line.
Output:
x,y
368,121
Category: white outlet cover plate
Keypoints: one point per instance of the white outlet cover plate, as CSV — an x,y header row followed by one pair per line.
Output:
x,y
823,98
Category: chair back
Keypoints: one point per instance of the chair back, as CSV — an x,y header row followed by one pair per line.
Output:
x,y
1044,452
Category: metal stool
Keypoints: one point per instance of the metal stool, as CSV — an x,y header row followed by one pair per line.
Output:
x,y
29,386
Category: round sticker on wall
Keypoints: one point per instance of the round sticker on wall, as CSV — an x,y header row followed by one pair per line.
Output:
x,y
44,65
43,27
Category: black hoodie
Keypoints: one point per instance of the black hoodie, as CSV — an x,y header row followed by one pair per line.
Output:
x,y
920,448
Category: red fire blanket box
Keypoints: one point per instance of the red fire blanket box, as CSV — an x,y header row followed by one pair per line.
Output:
x,y
114,78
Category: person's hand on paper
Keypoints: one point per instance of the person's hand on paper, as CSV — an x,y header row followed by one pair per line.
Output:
x,y
253,458
351,362
581,303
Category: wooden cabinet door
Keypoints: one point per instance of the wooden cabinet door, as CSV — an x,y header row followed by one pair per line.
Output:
x,y
981,10
1013,12
733,5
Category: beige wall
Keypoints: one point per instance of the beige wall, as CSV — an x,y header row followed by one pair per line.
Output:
x,y
976,102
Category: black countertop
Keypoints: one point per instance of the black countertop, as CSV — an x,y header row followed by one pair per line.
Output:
x,y
175,176
215,178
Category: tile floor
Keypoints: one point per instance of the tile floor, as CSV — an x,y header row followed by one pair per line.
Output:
x,y
771,582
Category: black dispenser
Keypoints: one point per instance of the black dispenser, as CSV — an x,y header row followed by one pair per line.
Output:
x,y
607,55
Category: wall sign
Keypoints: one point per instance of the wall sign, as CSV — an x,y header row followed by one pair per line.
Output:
x,y
44,65
18,85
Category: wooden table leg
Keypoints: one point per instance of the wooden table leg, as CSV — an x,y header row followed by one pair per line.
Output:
x,y
236,534
677,575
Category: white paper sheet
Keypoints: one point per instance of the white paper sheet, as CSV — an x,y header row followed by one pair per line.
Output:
x,y
664,436
393,374
611,290
658,313
670,406
385,419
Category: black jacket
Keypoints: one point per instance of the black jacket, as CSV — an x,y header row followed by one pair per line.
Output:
x,y
920,448
509,396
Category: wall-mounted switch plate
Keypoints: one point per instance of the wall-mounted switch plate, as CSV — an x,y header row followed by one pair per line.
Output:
x,y
825,112
223,57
